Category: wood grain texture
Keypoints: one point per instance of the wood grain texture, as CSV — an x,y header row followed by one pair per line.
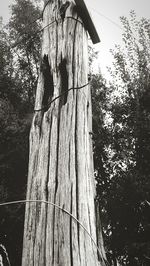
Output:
x,y
60,160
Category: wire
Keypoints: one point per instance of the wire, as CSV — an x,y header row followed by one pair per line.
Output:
x,y
34,36
13,46
58,207
113,22
110,20
39,18
48,25
32,22
23,32
48,105
75,20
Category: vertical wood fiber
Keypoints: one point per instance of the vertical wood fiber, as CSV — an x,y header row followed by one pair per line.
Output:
x,y
60,160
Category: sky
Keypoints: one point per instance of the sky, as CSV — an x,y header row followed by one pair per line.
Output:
x,y
105,14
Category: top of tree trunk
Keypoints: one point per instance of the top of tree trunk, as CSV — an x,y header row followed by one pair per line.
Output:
x,y
86,18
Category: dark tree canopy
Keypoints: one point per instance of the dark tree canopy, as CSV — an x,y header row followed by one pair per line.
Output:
x,y
18,78
123,172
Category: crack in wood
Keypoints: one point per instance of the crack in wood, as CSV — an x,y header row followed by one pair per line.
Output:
x,y
56,46
63,8
73,52
56,179
46,189
76,169
53,244
64,80
71,247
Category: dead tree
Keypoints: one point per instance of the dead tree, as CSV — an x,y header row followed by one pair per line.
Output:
x,y
60,160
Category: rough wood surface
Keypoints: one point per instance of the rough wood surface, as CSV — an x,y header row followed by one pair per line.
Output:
x,y
60,160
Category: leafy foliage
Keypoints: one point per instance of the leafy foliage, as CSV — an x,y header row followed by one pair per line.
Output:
x,y
24,34
18,77
124,187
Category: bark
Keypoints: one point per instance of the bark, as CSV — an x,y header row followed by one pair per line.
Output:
x,y
60,160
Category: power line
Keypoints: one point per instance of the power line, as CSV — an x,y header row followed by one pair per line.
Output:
x,y
113,22
41,16
107,18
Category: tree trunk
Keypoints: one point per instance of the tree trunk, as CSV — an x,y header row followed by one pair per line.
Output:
x,y
61,160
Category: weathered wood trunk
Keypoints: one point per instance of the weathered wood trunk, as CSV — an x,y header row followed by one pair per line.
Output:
x,y
61,161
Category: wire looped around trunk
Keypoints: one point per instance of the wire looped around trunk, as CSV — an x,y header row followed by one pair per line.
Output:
x,y
58,207
48,105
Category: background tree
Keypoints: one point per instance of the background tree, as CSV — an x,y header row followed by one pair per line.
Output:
x,y
126,177
17,89
24,35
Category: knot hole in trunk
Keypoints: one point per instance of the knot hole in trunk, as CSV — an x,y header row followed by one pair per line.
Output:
x,y
48,82
64,80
